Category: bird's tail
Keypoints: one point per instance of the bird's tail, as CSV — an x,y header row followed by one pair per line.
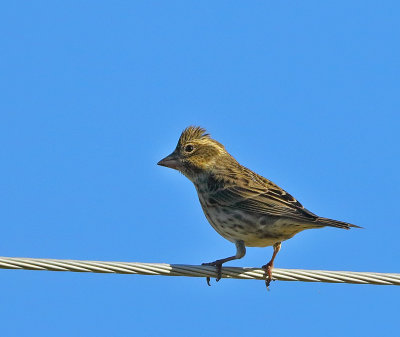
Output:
x,y
335,223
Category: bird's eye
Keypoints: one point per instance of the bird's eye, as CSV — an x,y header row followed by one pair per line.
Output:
x,y
188,148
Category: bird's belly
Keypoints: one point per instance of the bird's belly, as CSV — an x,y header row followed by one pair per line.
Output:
x,y
254,230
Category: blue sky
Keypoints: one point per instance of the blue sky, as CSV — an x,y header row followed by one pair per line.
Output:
x,y
94,93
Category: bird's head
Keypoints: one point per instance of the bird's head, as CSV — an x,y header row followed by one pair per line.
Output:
x,y
195,153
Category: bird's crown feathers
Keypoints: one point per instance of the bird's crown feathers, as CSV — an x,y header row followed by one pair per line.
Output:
x,y
193,133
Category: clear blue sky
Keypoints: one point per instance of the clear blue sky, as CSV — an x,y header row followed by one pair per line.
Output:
x,y
94,93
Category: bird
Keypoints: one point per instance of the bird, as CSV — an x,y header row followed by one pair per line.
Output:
x,y
242,206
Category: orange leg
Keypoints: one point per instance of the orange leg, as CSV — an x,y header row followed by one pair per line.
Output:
x,y
268,267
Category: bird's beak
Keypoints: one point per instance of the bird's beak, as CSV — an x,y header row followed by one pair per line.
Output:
x,y
171,161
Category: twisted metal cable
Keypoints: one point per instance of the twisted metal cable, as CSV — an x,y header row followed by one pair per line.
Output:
x,y
199,271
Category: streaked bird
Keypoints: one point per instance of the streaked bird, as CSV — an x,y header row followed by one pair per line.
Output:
x,y
242,206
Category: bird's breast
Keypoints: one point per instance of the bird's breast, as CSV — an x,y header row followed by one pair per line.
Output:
x,y
254,229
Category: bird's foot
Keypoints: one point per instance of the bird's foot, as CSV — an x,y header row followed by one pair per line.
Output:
x,y
217,264
268,268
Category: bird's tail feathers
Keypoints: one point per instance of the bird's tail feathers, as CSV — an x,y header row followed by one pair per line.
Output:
x,y
336,223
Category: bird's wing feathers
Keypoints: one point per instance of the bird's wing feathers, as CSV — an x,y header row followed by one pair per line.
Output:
x,y
262,200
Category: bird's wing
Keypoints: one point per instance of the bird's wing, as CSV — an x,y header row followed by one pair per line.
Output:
x,y
262,200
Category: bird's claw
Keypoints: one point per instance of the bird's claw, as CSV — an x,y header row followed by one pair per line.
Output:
x,y
219,270
267,283
268,268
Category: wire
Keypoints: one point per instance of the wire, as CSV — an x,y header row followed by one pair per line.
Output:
x,y
199,271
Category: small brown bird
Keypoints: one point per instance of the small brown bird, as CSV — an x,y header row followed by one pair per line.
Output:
x,y
242,206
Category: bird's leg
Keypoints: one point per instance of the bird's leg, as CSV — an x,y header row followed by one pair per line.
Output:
x,y
240,252
268,267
